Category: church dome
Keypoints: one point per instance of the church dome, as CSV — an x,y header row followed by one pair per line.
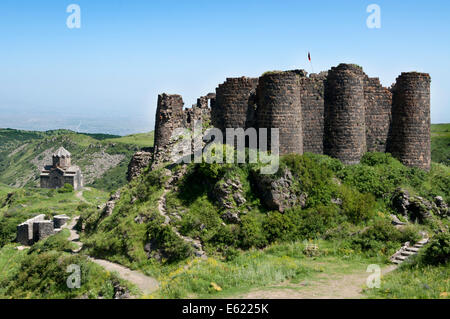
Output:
x,y
62,152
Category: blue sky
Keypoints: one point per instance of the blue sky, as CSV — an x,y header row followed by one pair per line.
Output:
x,y
126,52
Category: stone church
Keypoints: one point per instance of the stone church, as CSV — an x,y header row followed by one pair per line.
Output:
x,y
61,172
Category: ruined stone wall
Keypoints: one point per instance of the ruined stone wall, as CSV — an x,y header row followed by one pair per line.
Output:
x,y
345,132
231,104
410,137
138,163
199,112
313,107
378,102
279,106
169,116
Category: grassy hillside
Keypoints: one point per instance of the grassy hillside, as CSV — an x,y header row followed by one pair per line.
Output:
x,y
18,205
143,140
440,143
255,249
103,158
342,225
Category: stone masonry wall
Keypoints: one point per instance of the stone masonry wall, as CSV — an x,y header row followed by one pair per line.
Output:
x,y
345,132
232,102
312,101
199,112
410,138
378,104
279,106
169,116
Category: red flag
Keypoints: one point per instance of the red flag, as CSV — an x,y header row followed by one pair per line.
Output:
x,y
309,57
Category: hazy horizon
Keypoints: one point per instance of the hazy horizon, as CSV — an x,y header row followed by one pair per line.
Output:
x,y
105,76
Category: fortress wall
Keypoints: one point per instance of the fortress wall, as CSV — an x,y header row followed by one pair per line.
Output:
x,y
410,138
345,132
378,100
199,112
231,104
279,106
312,102
169,116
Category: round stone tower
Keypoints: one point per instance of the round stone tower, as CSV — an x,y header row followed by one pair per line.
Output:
x,y
410,140
345,131
232,102
169,116
279,106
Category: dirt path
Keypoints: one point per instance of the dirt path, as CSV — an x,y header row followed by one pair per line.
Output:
x,y
146,284
195,243
348,286
79,195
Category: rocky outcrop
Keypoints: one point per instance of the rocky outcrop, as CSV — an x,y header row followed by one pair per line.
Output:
x,y
229,193
139,161
400,201
442,207
279,193
417,208
230,196
231,217
109,206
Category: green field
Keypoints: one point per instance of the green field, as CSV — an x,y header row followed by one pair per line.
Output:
x,y
440,143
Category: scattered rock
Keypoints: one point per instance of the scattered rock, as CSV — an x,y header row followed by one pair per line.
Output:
x,y
120,292
396,221
139,219
109,206
230,217
279,194
336,201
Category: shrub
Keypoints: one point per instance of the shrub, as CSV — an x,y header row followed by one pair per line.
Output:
x,y
313,178
57,242
381,237
278,226
67,188
314,222
172,246
356,206
252,232
410,233
438,251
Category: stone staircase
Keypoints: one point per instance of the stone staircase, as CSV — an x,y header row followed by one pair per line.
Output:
x,y
407,251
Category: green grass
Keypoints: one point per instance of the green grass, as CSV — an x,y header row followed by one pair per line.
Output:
x,y
28,202
283,263
414,282
41,272
440,143
141,139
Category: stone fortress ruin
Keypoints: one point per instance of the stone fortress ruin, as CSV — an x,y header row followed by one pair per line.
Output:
x,y
61,172
341,112
37,228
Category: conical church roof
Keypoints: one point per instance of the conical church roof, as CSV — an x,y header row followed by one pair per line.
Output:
x,y
62,152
